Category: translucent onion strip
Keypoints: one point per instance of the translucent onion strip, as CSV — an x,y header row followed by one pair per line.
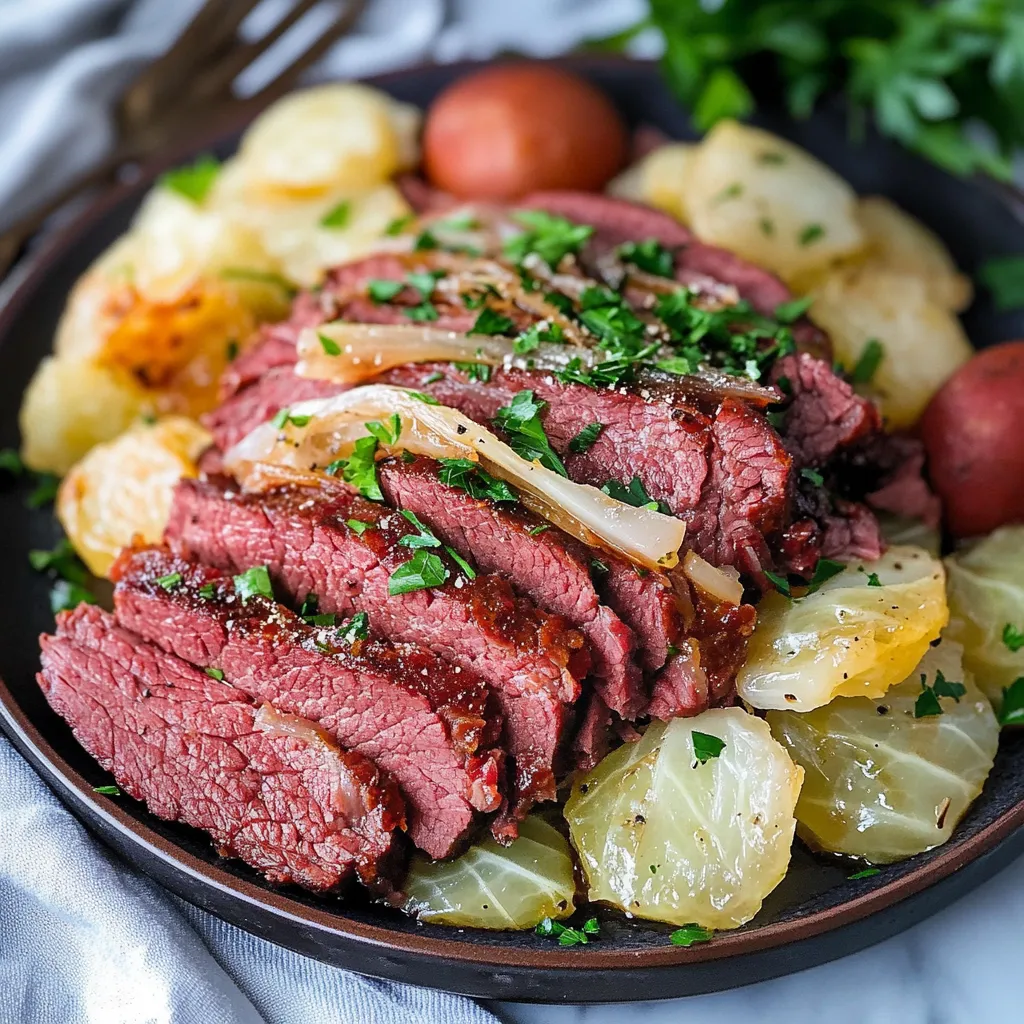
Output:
x,y
359,352
647,538
719,583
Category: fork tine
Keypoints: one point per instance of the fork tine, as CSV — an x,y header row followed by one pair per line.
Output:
x,y
212,29
286,78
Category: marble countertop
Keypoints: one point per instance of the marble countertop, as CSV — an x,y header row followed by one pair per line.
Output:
x,y
959,967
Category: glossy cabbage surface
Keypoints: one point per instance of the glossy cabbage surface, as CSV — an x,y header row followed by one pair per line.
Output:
x,y
880,783
664,837
848,638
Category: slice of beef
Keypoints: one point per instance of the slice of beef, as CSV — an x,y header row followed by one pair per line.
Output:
x,y
270,789
593,733
430,728
548,567
532,660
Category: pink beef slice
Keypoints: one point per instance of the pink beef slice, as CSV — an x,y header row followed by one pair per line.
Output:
x,y
548,567
269,789
532,660
428,727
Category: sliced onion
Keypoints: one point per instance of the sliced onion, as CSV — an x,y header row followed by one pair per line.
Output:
x,y
719,583
647,538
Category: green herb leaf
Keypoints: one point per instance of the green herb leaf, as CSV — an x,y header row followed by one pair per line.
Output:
x,y
927,703
399,224
824,570
811,234
355,629
10,462
539,528
1012,710
723,96
66,595
865,873
381,291
386,433
475,371
568,936
284,417
868,362
650,256
585,439
360,468
490,322
207,590
791,311
424,281
338,216
706,746
1003,276
425,539
469,477
214,673
873,580
329,345
550,237
422,571
358,526
520,420
170,581
813,476
1013,638
690,935
107,790
635,494
62,561
423,313
424,398
254,582
780,583
467,569
425,241
45,491
434,378
193,181
535,334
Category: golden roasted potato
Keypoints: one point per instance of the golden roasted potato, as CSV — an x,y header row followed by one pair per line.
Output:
x,y
69,406
899,242
123,489
770,202
659,179
338,136
922,342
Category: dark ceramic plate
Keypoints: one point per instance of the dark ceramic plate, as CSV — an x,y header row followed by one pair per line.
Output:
x,y
815,915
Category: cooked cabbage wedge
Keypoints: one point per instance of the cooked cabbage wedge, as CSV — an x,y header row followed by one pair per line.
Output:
x,y
986,594
848,638
880,783
499,887
666,837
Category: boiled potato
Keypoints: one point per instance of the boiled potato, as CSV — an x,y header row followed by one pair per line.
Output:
x,y
986,608
770,201
903,530
971,430
659,179
71,405
492,886
850,637
123,489
881,783
922,343
899,242
663,836
337,136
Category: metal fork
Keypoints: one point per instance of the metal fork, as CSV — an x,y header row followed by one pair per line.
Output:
x,y
189,84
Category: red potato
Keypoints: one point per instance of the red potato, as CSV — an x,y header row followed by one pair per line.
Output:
x,y
519,128
972,430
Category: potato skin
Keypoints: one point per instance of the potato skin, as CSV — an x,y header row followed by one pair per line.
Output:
x,y
971,430
518,128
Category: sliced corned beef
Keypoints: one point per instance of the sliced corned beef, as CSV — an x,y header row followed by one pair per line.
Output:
x,y
270,789
593,733
531,659
548,567
400,705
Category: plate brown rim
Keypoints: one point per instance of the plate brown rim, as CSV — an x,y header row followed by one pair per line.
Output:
x,y
57,771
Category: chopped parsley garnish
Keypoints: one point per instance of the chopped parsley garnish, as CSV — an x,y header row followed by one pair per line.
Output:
x,y
434,378
337,216
569,936
329,345
475,301
490,322
1013,638
1012,710
705,746
539,528
284,417
1004,278
780,583
424,539
767,226
788,312
457,222
230,354
424,398
732,191
399,224
467,569
61,561
358,526
10,462
422,571
824,570
635,494
193,181
381,291
649,255
770,156
424,241
254,582
813,476
66,595
207,590
873,580
868,362
424,281
360,469
585,439
927,703
354,629
550,237
690,935
45,490
811,234
388,432
170,581
475,371
477,483
107,790
422,313
865,873
310,605
520,420
535,334
214,673
254,276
